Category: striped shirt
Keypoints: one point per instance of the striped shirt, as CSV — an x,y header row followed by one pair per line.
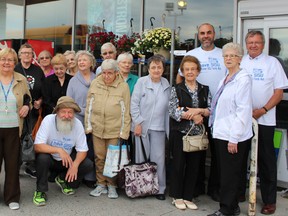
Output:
x,y
9,119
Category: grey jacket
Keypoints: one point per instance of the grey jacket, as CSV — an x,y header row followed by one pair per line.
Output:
x,y
78,89
143,102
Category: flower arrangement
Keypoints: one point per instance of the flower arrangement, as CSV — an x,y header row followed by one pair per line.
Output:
x,y
152,40
96,40
126,43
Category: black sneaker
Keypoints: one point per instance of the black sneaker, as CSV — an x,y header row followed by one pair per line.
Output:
x,y
30,172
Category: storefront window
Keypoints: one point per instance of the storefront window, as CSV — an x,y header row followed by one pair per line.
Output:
x,y
11,19
109,16
197,12
278,46
50,21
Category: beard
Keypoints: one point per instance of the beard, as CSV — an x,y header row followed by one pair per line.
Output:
x,y
64,125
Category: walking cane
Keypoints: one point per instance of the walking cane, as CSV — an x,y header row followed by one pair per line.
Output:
x,y
253,170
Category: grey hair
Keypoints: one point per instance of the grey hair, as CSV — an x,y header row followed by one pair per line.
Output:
x,y
156,58
87,53
234,46
109,64
124,56
253,33
68,52
107,46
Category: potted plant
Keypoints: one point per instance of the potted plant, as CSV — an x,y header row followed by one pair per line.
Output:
x,y
154,41
125,43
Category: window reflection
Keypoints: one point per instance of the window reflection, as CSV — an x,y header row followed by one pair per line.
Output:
x,y
278,46
48,21
11,19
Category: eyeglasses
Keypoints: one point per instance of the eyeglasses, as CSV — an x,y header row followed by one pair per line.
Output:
x,y
232,56
26,53
255,43
7,60
45,57
110,53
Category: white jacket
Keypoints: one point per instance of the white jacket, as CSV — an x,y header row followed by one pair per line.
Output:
x,y
233,113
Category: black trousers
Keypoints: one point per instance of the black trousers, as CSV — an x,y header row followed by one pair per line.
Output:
x,y
184,168
46,163
213,181
10,152
267,164
230,172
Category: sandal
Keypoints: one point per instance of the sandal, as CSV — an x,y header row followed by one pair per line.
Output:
x,y
179,204
190,205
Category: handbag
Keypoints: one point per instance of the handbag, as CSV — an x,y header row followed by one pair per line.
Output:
x,y
141,179
196,142
116,158
27,143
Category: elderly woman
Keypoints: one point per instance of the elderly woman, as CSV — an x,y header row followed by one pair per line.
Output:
x,y
125,62
71,63
231,122
80,83
77,89
107,96
55,86
188,107
150,117
44,59
108,51
14,107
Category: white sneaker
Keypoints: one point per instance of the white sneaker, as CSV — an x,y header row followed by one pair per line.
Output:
x,y
112,193
14,205
100,189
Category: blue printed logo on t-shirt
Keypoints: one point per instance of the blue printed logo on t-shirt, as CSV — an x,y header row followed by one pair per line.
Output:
x,y
212,64
258,74
62,144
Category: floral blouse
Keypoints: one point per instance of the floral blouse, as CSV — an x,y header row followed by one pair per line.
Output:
x,y
176,113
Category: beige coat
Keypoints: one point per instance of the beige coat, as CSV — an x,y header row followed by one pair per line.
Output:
x,y
20,88
103,109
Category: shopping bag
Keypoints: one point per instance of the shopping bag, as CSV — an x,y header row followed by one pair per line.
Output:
x,y
116,158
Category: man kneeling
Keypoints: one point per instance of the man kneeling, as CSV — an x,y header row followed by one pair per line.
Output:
x,y
57,137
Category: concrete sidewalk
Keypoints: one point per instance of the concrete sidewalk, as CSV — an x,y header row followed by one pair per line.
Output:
x,y
82,204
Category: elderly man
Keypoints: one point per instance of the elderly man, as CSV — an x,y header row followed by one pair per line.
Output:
x,y
35,78
268,82
61,146
212,71
108,51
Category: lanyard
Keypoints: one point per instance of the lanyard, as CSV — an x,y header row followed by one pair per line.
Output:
x,y
6,93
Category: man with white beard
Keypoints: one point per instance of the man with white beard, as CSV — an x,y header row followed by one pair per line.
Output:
x,y
61,146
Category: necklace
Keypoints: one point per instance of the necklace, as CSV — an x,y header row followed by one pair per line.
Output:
x,y
6,94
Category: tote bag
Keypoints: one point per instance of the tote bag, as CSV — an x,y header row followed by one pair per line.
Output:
x,y
116,158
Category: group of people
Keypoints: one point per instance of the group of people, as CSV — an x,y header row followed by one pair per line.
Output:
x,y
84,112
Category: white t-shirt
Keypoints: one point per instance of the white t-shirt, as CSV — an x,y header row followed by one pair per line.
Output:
x,y
212,67
267,75
48,134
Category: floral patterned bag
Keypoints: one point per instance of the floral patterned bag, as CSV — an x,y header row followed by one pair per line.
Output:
x,y
141,179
